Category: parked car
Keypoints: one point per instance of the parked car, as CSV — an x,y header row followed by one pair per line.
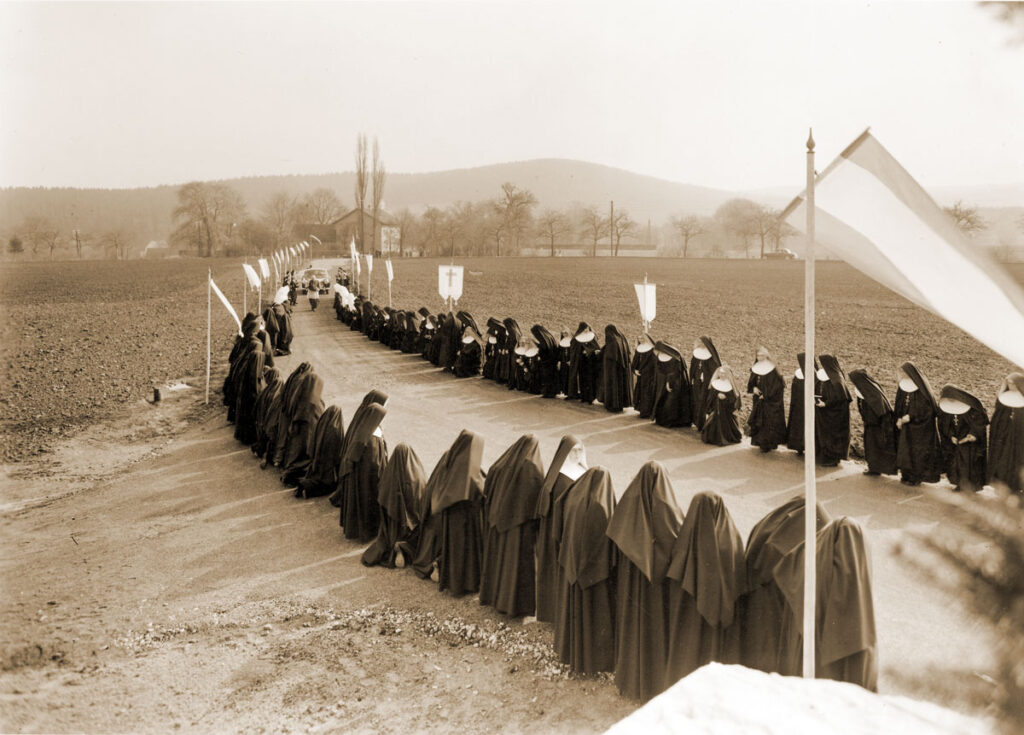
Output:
x,y
320,274
780,254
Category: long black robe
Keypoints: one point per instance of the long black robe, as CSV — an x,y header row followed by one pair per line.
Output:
x,y
284,336
547,361
700,375
452,538
643,528
511,488
585,622
1006,442
401,497
284,413
721,426
964,461
832,420
584,369
917,443
763,606
273,384
307,406
795,424
467,361
564,348
374,396
512,371
671,402
321,476
879,424
242,345
492,351
549,535
247,390
452,341
707,575
767,421
616,387
845,646
644,370
359,474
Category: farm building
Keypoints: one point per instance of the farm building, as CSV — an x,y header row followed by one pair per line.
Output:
x,y
338,234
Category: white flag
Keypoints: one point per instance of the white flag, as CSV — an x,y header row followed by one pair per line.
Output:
x,y
264,268
391,272
250,275
646,296
227,305
449,281
369,263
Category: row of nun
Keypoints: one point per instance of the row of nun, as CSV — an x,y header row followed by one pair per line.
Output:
x,y
635,587
920,435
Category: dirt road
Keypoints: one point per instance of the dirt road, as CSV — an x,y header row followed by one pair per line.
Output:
x,y
190,591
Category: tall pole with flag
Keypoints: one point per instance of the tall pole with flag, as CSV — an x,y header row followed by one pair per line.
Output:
x,y
810,480
209,287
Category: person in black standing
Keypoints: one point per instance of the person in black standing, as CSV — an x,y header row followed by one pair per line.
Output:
x,y
917,443
703,365
879,424
963,429
832,417
767,422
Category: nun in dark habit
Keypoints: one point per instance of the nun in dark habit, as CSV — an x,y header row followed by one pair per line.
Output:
x,y
917,437
585,622
242,345
467,361
671,401
447,338
547,361
721,426
616,389
763,606
267,413
569,464
832,414
845,646
767,422
428,339
706,576
795,425
963,429
306,410
362,464
495,337
373,397
279,411
282,339
565,343
645,368
511,370
451,543
1006,437
879,424
321,476
248,387
508,577
584,365
703,364
401,497
643,528
528,362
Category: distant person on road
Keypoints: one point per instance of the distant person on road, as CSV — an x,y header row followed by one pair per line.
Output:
x,y
879,424
721,426
767,422
832,415
313,292
703,364
917,447
1006,437
963,429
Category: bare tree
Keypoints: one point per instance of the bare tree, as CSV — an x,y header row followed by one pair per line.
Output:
x,y
278,214
688,227
39,231
78,238
323,206
379,176
454,224
739,217
116,244
966,218
595,226
206,213
552,224
515,206
362,181
764,223
433,220
621,224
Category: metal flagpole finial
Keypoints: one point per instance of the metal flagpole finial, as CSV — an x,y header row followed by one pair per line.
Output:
x,y
810,140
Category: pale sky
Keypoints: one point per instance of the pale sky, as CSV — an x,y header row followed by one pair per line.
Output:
x,y
717,94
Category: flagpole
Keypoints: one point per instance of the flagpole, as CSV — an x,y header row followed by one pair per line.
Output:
x,y
209,280
245,290
810,480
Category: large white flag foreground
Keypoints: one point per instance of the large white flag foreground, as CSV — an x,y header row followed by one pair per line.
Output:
x,y
871,213
227,305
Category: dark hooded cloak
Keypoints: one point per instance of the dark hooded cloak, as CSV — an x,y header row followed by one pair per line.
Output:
x,y
795,425
917,441
879,424
616,388
492,350
643,528
1006,440
645,368
832,415
321,476
375,396
304,404
707,575
547,361
511,371
700,377
767,421
267,411
402,499
584,366
362,463
964,439
670,405
468,355
550,498
585,623
510,529
249,384
845,648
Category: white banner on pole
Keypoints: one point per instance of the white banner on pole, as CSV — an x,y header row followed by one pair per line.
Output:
x,y
292,251
646,296
264,267
369,263
391,272
227,305
251,276
449,281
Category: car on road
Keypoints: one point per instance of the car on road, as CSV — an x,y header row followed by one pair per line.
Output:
x,y
320,274
780,254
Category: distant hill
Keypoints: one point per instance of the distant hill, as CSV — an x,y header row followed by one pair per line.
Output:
x,y
558,183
